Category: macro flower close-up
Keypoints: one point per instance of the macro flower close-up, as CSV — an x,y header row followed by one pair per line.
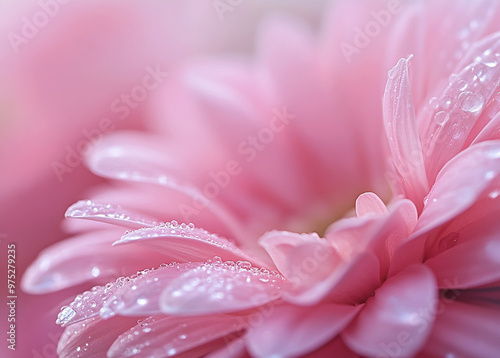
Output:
x,y
287,180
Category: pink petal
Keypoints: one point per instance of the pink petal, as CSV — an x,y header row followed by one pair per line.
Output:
x,y
291,253
165,336
82,258
369,204
463,330
464,101
402,133
93,337
217,287
185,243
469,264
234,349
108,213
140,295
491,131
460,184
438,52
142,160
394,316
317,272
351,283
335,348
381,235
137,295
294,330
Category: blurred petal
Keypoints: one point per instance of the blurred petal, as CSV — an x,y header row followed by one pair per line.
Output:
x,y
85,257
165,336
465,330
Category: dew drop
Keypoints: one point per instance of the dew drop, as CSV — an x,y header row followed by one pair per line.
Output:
x,y
462,85
491,63
494,194
434,103
471,102
66,314
95,271
446,102
441,117
106,312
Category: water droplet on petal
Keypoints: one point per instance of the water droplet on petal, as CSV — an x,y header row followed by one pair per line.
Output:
x,y
65,315
471,102
441,117
462,85
434,103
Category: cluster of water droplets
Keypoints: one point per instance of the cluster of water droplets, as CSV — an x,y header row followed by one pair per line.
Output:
x,y
221,282
135,340
465,99
92,209
96,301
173,228
205,277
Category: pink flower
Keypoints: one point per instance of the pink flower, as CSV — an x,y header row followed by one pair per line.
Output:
x,y
417,277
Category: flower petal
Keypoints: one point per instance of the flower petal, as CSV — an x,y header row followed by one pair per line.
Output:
x,y
93,337
186,243
108,213
464,330
294,330
380,235
137,295
457,115
369,204
393,317
141,161
292,252
318,272
85,257
460,184
165,336
140,296
402,133
218,287
469,264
